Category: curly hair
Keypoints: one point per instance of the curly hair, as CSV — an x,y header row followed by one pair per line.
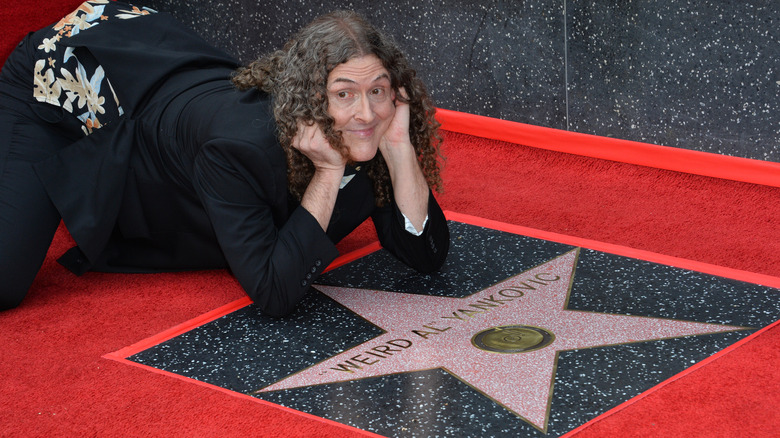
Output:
x,y
296,77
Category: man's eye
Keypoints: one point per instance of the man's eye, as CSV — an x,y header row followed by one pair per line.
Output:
x,y
342,94
378,91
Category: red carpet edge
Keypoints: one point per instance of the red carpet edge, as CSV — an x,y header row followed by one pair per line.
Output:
x,y
613,149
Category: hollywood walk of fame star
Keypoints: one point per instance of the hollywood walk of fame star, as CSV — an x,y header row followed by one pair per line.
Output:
x,y
426,332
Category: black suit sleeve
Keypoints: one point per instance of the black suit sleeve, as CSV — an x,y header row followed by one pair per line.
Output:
x,y
240,188
425,253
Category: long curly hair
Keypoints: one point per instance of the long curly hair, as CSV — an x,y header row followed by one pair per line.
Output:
x,y
296,77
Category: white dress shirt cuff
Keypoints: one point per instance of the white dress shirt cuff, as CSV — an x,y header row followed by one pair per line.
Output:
x,y
410,228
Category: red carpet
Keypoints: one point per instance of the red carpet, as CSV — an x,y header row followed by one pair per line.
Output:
x,y
56,383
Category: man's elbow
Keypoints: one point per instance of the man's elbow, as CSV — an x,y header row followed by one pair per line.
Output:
x,y
431,268
434,262
278,303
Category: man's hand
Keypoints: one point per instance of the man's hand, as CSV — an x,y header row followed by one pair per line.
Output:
x,y
409,186
397,133
323,189
311,142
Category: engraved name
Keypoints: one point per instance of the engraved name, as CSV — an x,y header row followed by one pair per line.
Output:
x,y
471,310
368,357
485,305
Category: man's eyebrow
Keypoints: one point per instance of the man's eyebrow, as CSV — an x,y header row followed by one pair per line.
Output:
x,y
380,77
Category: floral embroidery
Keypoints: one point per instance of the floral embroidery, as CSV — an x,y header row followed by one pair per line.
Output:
x,y
49,44
86,90
134,13
90,123
81,18
72,87
45,87
64,31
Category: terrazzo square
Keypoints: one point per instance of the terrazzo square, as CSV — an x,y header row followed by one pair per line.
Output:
x,y
516,335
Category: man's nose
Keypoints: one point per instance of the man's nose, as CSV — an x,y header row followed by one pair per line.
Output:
x,y
365,110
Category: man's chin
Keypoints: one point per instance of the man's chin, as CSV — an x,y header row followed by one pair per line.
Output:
x,y
362,154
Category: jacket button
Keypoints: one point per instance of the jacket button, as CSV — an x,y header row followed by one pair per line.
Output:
x,y
304,283
318,263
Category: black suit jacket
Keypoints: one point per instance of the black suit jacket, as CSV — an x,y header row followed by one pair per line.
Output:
x,y
192,176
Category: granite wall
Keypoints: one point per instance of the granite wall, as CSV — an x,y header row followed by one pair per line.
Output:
x,y
700,74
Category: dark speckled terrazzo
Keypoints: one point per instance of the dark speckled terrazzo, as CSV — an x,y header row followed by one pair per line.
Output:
x,y
475,261
698,75
245,351
692,74
613,284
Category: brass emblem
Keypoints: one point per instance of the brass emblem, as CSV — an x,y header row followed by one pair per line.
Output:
x,y
512,339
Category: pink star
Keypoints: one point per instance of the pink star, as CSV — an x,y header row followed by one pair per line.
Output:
x,y
426,332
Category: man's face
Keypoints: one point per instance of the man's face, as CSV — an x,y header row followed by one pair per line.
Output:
x,y
361,102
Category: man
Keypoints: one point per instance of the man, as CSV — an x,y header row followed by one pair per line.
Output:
x,y
186,172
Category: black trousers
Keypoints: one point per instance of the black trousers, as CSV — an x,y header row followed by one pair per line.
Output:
x,y
29,132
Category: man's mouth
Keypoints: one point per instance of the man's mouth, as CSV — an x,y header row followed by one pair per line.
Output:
x,y
362,133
